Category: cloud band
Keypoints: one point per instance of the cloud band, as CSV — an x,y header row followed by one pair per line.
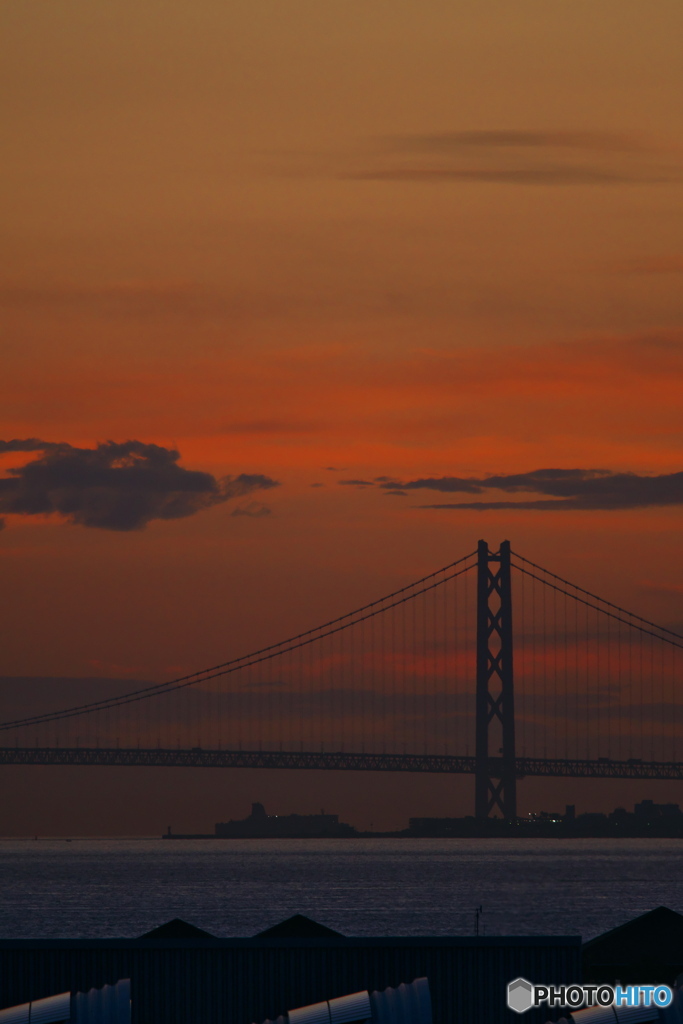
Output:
x,y
114,486
562,489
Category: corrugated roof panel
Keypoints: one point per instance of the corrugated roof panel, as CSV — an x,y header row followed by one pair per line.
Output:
x,y
244,980
350,1008
16,1014
316,1013
54,1008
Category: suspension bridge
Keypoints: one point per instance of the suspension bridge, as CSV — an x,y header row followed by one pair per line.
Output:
x,y
430,678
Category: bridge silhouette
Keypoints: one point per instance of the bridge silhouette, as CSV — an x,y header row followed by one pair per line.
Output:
x,y
430,678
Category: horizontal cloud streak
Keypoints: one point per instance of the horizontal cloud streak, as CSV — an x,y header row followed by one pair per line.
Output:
x,y
254,510
114,486
28,444
566,489
516,157
550,175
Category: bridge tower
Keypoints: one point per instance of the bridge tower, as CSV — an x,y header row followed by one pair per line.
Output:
x,y
495,708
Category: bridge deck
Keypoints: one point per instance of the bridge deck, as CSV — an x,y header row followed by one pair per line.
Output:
x,y
197,757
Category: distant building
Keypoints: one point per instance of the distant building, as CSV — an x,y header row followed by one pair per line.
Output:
x,y
646,819
260,825
647,810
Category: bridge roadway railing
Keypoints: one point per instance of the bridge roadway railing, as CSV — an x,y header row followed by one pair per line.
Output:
x,y
199,757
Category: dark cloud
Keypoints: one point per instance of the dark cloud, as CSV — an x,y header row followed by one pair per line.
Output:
x,y
517,157
553,175
355,483
445,483
255,510
540,505
563,489
544,175
114,486
28,444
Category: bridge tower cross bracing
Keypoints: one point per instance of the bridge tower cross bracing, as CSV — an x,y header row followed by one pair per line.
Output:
x,y
495,708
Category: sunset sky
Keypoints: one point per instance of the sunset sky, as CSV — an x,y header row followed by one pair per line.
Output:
x,y
325,251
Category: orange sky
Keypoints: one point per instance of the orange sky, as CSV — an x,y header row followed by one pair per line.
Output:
x,y
399,239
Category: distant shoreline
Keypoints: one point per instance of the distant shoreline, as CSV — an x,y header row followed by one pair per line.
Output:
x,y
522,835
511,834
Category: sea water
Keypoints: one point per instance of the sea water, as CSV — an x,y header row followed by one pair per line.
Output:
x,y
379,887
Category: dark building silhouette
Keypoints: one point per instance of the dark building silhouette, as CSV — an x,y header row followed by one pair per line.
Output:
x,y
646,819
648,949
260,825
180,974
177,929
298,927
648,811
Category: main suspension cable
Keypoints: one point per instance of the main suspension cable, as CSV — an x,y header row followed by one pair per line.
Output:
x,y
264,654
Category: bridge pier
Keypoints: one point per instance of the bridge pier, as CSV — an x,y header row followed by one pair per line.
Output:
x,y
495,711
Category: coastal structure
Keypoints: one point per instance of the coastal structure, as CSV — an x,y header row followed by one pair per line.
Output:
x,y
647,820
260,825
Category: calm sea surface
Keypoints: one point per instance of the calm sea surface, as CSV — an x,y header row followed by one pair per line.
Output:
x,y
106,888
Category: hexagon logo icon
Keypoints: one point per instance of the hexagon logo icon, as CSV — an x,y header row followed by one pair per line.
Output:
x,y
520,995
